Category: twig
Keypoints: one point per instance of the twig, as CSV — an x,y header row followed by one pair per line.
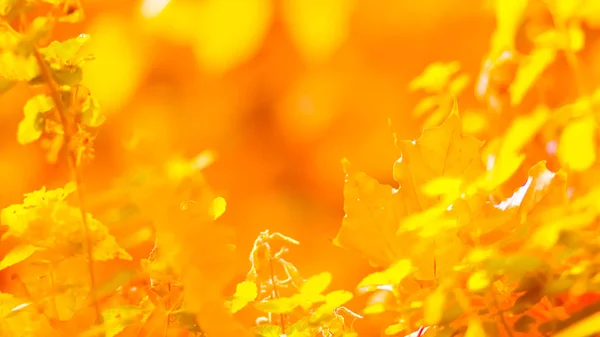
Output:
x,y
72,162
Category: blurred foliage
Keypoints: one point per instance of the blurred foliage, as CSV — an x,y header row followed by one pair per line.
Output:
x,y
169,143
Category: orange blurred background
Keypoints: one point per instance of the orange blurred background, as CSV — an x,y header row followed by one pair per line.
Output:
x,y
280,90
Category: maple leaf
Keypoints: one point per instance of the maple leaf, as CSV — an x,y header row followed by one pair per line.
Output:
x,y
376,212
440,152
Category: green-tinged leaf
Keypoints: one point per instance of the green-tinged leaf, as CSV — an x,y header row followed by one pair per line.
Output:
x,y
300,327
268,330
278,305
62,53
18,254
32,125
71,76
91,114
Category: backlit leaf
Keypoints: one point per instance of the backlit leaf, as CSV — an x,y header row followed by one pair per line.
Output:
x,y
529,71
434,307
219,206
32,125
391,276
18,254
278,305
115,320
268,330
316,284
577,145
435,77
91,114
480,280
245,292
475,329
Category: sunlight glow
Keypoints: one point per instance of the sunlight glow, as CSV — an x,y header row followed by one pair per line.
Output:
x,y
151,8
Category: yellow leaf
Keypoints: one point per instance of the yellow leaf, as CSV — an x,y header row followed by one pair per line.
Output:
x,y
278,305
32,125
434,307
449,186
314,286
440,152
425,105
474,122
435,77
91,114
245,292
20,318
371,218
480,280
391,276
18,254
218,207
475,328
117,319
523,129
372,309
45,220
268,330
395,329
458,85
577,145
338,298
509,16
529,71
374,211
318,27
333,300
59,54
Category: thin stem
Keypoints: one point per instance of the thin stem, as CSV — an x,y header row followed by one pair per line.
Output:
x,y
276,294
75,172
